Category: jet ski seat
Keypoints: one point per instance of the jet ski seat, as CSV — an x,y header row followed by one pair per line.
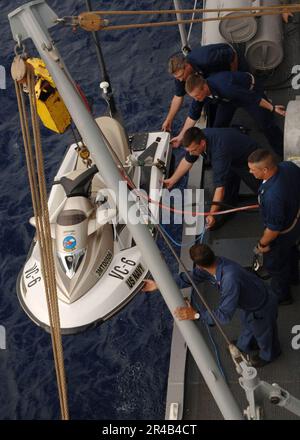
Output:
x,y
115,135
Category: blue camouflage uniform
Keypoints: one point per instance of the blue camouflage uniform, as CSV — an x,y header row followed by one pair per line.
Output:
x,y
239,89
240,289
279,199
228,151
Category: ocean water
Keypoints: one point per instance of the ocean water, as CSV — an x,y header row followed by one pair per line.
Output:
x,y
119,370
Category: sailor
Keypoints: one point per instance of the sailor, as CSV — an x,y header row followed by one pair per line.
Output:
x,y
233,90
279,200
205,59
239,289
227,149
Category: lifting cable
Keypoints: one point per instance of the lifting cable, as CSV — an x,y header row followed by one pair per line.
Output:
x,y
35,167
94,21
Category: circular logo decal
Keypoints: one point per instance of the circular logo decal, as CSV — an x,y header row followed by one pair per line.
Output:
x,y
69,243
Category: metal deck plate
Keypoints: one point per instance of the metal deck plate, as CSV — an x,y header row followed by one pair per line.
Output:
x,y
236,249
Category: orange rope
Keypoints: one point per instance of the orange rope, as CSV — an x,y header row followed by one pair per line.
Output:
x,y
280,8
195,20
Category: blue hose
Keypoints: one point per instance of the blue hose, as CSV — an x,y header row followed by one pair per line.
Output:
x,y
176,243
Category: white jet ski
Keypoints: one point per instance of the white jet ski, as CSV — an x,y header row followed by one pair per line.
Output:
x,y
99,269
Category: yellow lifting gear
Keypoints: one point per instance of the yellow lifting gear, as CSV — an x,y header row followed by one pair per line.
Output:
x,y
51,108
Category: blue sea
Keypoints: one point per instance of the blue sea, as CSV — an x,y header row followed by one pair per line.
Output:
x,y
119,370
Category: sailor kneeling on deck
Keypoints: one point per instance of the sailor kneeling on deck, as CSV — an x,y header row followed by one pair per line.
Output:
x,y
279,200
239,289
228,150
